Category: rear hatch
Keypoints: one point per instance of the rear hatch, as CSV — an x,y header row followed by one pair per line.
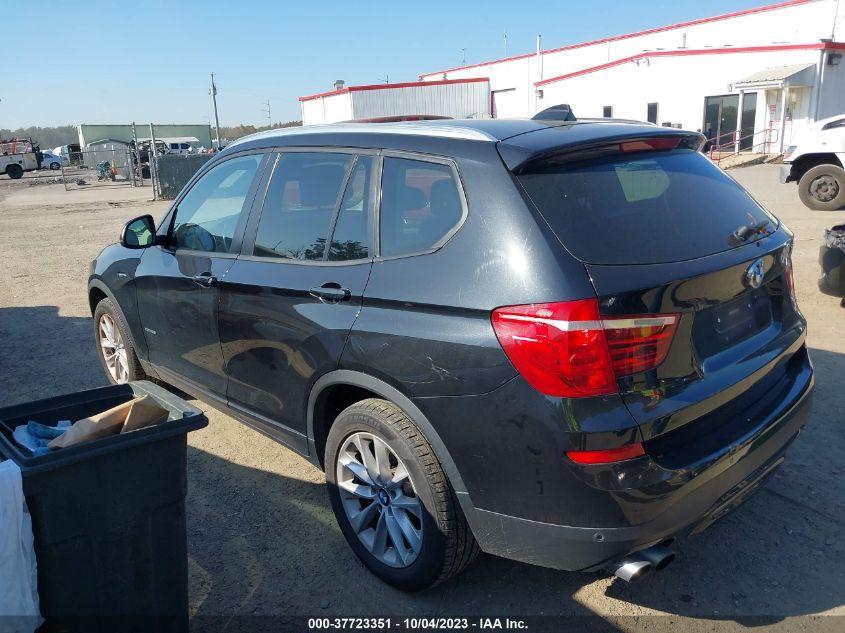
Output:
x,y
662,232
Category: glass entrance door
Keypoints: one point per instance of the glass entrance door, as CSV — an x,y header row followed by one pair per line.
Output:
x,y
720,118
749,113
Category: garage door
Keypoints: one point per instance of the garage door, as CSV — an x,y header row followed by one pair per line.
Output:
x,y
505,104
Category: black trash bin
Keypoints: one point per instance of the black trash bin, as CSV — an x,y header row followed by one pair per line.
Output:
x,y
832,261
108,516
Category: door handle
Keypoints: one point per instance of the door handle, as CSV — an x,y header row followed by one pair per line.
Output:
x,y
206,280
331,293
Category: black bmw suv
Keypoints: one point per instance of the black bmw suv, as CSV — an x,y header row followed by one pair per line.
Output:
x,y
564,343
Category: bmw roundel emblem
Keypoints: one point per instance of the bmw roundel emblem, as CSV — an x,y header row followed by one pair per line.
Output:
x,y
755,273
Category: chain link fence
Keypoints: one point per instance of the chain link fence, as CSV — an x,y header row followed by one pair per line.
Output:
x,y
101,167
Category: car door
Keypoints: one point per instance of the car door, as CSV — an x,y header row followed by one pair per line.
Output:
x,y
288,302
177,282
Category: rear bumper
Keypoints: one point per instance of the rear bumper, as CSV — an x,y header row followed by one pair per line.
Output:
x,y
704,497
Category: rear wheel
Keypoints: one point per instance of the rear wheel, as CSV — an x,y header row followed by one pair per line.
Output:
x,y
392,499
14,171
822,188
117,356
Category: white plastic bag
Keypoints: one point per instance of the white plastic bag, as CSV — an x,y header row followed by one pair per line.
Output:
x,y
18,575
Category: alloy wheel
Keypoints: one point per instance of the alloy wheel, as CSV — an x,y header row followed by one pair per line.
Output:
x,y
113,349
380,499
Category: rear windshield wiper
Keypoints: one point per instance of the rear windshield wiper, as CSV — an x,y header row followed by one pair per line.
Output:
x,y
748,232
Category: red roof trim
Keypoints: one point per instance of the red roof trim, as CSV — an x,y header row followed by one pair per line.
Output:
x,y
692,52
410,84
616,38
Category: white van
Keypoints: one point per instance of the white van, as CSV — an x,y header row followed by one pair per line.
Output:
x,y
180,144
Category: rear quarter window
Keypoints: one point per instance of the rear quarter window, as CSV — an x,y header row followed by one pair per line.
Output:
x,y
420,205
645,208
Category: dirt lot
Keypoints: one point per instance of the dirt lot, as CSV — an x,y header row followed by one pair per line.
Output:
x,y
262,538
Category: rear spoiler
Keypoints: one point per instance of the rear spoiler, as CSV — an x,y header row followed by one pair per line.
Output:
x,y
566,143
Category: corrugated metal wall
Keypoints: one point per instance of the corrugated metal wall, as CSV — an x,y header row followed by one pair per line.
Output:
x,y
459,101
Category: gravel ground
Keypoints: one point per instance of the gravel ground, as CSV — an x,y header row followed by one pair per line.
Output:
x,y
263,541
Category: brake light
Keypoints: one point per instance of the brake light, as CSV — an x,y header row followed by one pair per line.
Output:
x,y
650,144
607,455
568,349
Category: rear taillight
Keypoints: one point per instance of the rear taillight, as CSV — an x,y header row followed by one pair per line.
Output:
x,y
789,277
568,349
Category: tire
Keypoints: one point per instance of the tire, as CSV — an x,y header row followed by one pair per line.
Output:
x,y
14,171
125,366
822,188
54,165
446,546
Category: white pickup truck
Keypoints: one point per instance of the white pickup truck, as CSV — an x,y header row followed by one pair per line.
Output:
x,y
816,164
16,157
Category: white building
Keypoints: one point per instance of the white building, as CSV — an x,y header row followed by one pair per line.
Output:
x,y
762,63
460,98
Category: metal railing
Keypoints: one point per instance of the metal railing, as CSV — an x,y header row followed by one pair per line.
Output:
x,y
720,150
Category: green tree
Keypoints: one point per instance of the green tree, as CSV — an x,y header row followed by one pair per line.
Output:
x,y
46,137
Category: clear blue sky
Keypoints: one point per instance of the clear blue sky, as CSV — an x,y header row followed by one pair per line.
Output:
x,y
113,62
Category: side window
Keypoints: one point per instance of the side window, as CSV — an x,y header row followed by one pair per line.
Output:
x,y
300,205
420,204
208,214
352,230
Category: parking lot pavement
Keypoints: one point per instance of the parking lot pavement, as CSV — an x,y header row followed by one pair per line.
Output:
x,y
262,539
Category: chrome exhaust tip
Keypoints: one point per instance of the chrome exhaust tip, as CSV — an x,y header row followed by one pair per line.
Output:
x,y
631,568
640,563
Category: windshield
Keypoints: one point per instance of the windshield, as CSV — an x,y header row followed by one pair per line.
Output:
x,y
646,208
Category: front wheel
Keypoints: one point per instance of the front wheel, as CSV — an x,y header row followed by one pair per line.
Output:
x,y
117,356
54,166
822,188
392,499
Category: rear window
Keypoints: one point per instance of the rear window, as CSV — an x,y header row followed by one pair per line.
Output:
x,y
645,209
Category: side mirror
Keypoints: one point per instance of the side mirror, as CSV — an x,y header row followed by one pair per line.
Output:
x,y
139,233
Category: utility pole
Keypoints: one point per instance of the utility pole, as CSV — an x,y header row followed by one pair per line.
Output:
x,y
506,43
463,57
135,157
269,120
386,79
153,162
213,92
